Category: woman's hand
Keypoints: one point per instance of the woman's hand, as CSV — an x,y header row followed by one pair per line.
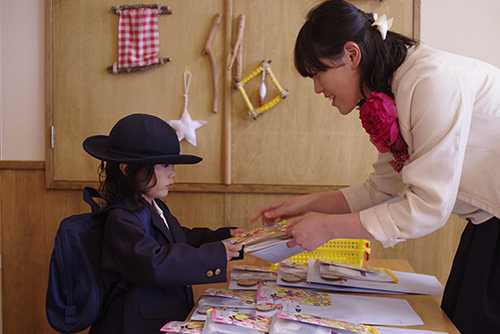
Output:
x,y
313,231
309,232
293,207
232,250
330,202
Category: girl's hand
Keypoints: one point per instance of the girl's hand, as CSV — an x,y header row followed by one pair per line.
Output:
x,y
236,232
232,250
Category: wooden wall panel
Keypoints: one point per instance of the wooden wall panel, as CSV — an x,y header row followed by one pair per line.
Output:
x,y
197,209
30,216
87,100
300,141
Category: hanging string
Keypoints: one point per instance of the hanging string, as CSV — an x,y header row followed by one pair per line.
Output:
x,y
186,88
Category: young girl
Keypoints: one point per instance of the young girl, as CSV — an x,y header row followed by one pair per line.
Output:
x,y
158,258
434,118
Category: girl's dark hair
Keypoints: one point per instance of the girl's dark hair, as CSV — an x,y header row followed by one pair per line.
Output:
x,y
115,185
333,23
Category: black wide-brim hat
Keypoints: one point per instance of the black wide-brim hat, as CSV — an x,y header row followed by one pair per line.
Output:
x,y
139,139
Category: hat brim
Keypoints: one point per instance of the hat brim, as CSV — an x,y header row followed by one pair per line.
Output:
x,y
97,146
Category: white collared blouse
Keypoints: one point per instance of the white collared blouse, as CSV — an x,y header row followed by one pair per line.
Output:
x,y
449,115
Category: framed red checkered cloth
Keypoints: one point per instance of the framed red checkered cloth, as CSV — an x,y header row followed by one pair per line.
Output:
x,y
138,38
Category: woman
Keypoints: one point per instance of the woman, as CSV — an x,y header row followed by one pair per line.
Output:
x,y
434,118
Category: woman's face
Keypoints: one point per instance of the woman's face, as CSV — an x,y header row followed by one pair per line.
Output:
x,y
339,83
164,175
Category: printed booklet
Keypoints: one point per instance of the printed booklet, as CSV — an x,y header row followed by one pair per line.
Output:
x,y
268,242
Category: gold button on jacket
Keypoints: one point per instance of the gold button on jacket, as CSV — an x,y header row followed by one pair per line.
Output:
x,y
210,273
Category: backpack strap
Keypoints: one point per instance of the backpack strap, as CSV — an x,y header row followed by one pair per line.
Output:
x,y
90,193
144,216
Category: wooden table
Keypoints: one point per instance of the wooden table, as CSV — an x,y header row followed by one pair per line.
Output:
x,y
425,306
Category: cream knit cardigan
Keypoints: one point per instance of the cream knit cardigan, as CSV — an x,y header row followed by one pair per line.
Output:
x,y
449,115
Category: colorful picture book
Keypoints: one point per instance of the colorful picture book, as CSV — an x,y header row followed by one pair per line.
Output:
x,y
222,302
234,322
185,327
254,272
289,295
345,327
349,271
247,295
248,277
268,242
245,320
264,269
407,282
260,234
293,264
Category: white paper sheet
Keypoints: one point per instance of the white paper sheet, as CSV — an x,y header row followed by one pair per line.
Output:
x,y
392,330
408,282
361,309
374,310
327,287
278,252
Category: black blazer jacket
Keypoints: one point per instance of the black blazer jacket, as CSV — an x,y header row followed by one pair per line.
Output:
x,y
160,269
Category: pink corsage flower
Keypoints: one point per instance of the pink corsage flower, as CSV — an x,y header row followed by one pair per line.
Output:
x,y
379,118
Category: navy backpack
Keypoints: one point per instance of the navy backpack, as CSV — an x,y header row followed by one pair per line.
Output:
x,y
76,295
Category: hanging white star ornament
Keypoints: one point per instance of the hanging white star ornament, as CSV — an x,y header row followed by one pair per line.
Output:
x,y
186,127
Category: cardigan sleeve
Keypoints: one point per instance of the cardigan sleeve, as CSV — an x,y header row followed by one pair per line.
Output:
x,y
434,104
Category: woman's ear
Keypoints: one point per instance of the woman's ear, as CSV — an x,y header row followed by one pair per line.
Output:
x,y
352,53
123,168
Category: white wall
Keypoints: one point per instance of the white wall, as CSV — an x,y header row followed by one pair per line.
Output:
x,y
22,114
465,27
459,26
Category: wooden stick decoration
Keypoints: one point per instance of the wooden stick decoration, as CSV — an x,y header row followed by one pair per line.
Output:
x,y
239,63
227,101
283,93
238,48
115,70
161,9
213,62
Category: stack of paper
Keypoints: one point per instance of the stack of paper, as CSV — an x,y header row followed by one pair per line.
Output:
x,y
285,322
248,277
406,282
331,270
356,309
268,242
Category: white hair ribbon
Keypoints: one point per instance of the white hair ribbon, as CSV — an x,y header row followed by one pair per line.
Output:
x,y
383,24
